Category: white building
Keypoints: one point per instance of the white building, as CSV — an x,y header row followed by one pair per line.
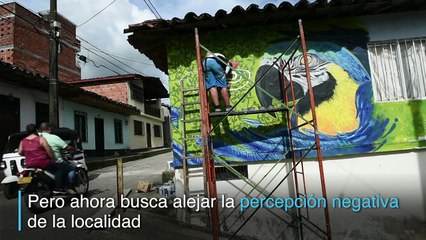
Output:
x,y
103,123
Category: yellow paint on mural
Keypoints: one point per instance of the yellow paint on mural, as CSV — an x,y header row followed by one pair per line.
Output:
x,y
337,115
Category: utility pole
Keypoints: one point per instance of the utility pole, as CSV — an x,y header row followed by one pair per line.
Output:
x,y
53,64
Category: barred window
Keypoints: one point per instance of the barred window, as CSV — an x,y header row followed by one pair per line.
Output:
x,y
80,125
398,69
138,128
157,131
137,92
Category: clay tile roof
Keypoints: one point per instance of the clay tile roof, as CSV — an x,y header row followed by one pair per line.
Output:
x,y
149,37
14,75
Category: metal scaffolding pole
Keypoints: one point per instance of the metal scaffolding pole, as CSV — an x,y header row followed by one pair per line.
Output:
x,y
288,106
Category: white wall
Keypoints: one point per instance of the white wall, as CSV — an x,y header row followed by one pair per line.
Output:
x,y
396,25
130,100
27,99
68,110
399,175
139,142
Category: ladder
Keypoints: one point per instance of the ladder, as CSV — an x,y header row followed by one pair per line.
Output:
x,y
188,108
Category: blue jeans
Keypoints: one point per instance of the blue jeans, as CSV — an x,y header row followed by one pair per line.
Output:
x,y
59,171
69,173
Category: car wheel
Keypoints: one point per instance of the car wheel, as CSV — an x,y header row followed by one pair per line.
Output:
x,y
11,190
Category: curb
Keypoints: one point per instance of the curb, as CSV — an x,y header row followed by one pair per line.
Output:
x,y
92,165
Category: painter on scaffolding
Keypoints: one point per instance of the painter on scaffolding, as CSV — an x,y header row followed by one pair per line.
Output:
x,y
216,67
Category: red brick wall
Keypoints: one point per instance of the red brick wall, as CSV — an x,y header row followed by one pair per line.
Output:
x,y
6,35
31,49
116,91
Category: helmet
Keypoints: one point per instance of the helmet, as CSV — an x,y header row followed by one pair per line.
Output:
x,y
219,55
210,55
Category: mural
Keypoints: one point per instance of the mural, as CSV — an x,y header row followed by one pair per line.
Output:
x,y
349,121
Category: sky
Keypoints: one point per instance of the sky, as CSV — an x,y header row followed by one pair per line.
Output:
x,y
105,30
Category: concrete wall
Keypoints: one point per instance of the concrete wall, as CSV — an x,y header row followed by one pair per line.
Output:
x,y
28,98
141,142
132,101
68,110
400,175
396,25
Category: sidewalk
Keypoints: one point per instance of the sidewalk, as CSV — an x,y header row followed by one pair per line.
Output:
x,y
101,162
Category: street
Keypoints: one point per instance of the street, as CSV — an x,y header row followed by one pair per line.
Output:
x,y
102,185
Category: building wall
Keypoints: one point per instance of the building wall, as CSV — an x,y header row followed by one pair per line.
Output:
x,y
68,109
132,101
383,26
349,120
29,48
6,35
141,142
29,97
396,175
371,148
116,90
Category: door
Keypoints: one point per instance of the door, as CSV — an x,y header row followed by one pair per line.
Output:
x,y
9,118
148,135
99,137
166,132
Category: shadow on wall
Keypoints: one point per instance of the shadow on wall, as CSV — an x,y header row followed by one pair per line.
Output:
x,y
419,129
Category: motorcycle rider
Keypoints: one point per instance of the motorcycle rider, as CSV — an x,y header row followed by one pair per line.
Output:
x,y
38,154
57,144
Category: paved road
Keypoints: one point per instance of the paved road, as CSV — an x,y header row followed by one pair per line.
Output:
x,y
102,184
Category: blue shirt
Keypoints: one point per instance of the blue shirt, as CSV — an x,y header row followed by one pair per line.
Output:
x,y
215,74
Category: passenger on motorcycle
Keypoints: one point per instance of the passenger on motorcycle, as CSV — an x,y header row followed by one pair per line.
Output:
x,y
38,154
57,144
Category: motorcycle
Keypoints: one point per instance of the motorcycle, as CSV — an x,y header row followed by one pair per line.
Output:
x,y
38,181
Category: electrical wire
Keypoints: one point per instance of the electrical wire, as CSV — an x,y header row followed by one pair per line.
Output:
x,y
98,66
152,8
70,43
155,9
125,58
112,56
96,13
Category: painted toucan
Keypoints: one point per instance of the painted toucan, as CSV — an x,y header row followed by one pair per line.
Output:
x,y
334,92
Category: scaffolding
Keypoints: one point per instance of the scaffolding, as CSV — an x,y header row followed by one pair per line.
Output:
x,y
299,219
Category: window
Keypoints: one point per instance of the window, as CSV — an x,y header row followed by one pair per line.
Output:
x,y
118,131
138,127
223,174
80,125
157,131
137,92
397,69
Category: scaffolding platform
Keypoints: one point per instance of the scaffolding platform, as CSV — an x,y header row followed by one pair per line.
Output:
x,y
248,111
298,153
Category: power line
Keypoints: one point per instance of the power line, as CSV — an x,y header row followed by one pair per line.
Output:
x,y
112,56
126,58
152,8
97,13
152,5
72,41
81,57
